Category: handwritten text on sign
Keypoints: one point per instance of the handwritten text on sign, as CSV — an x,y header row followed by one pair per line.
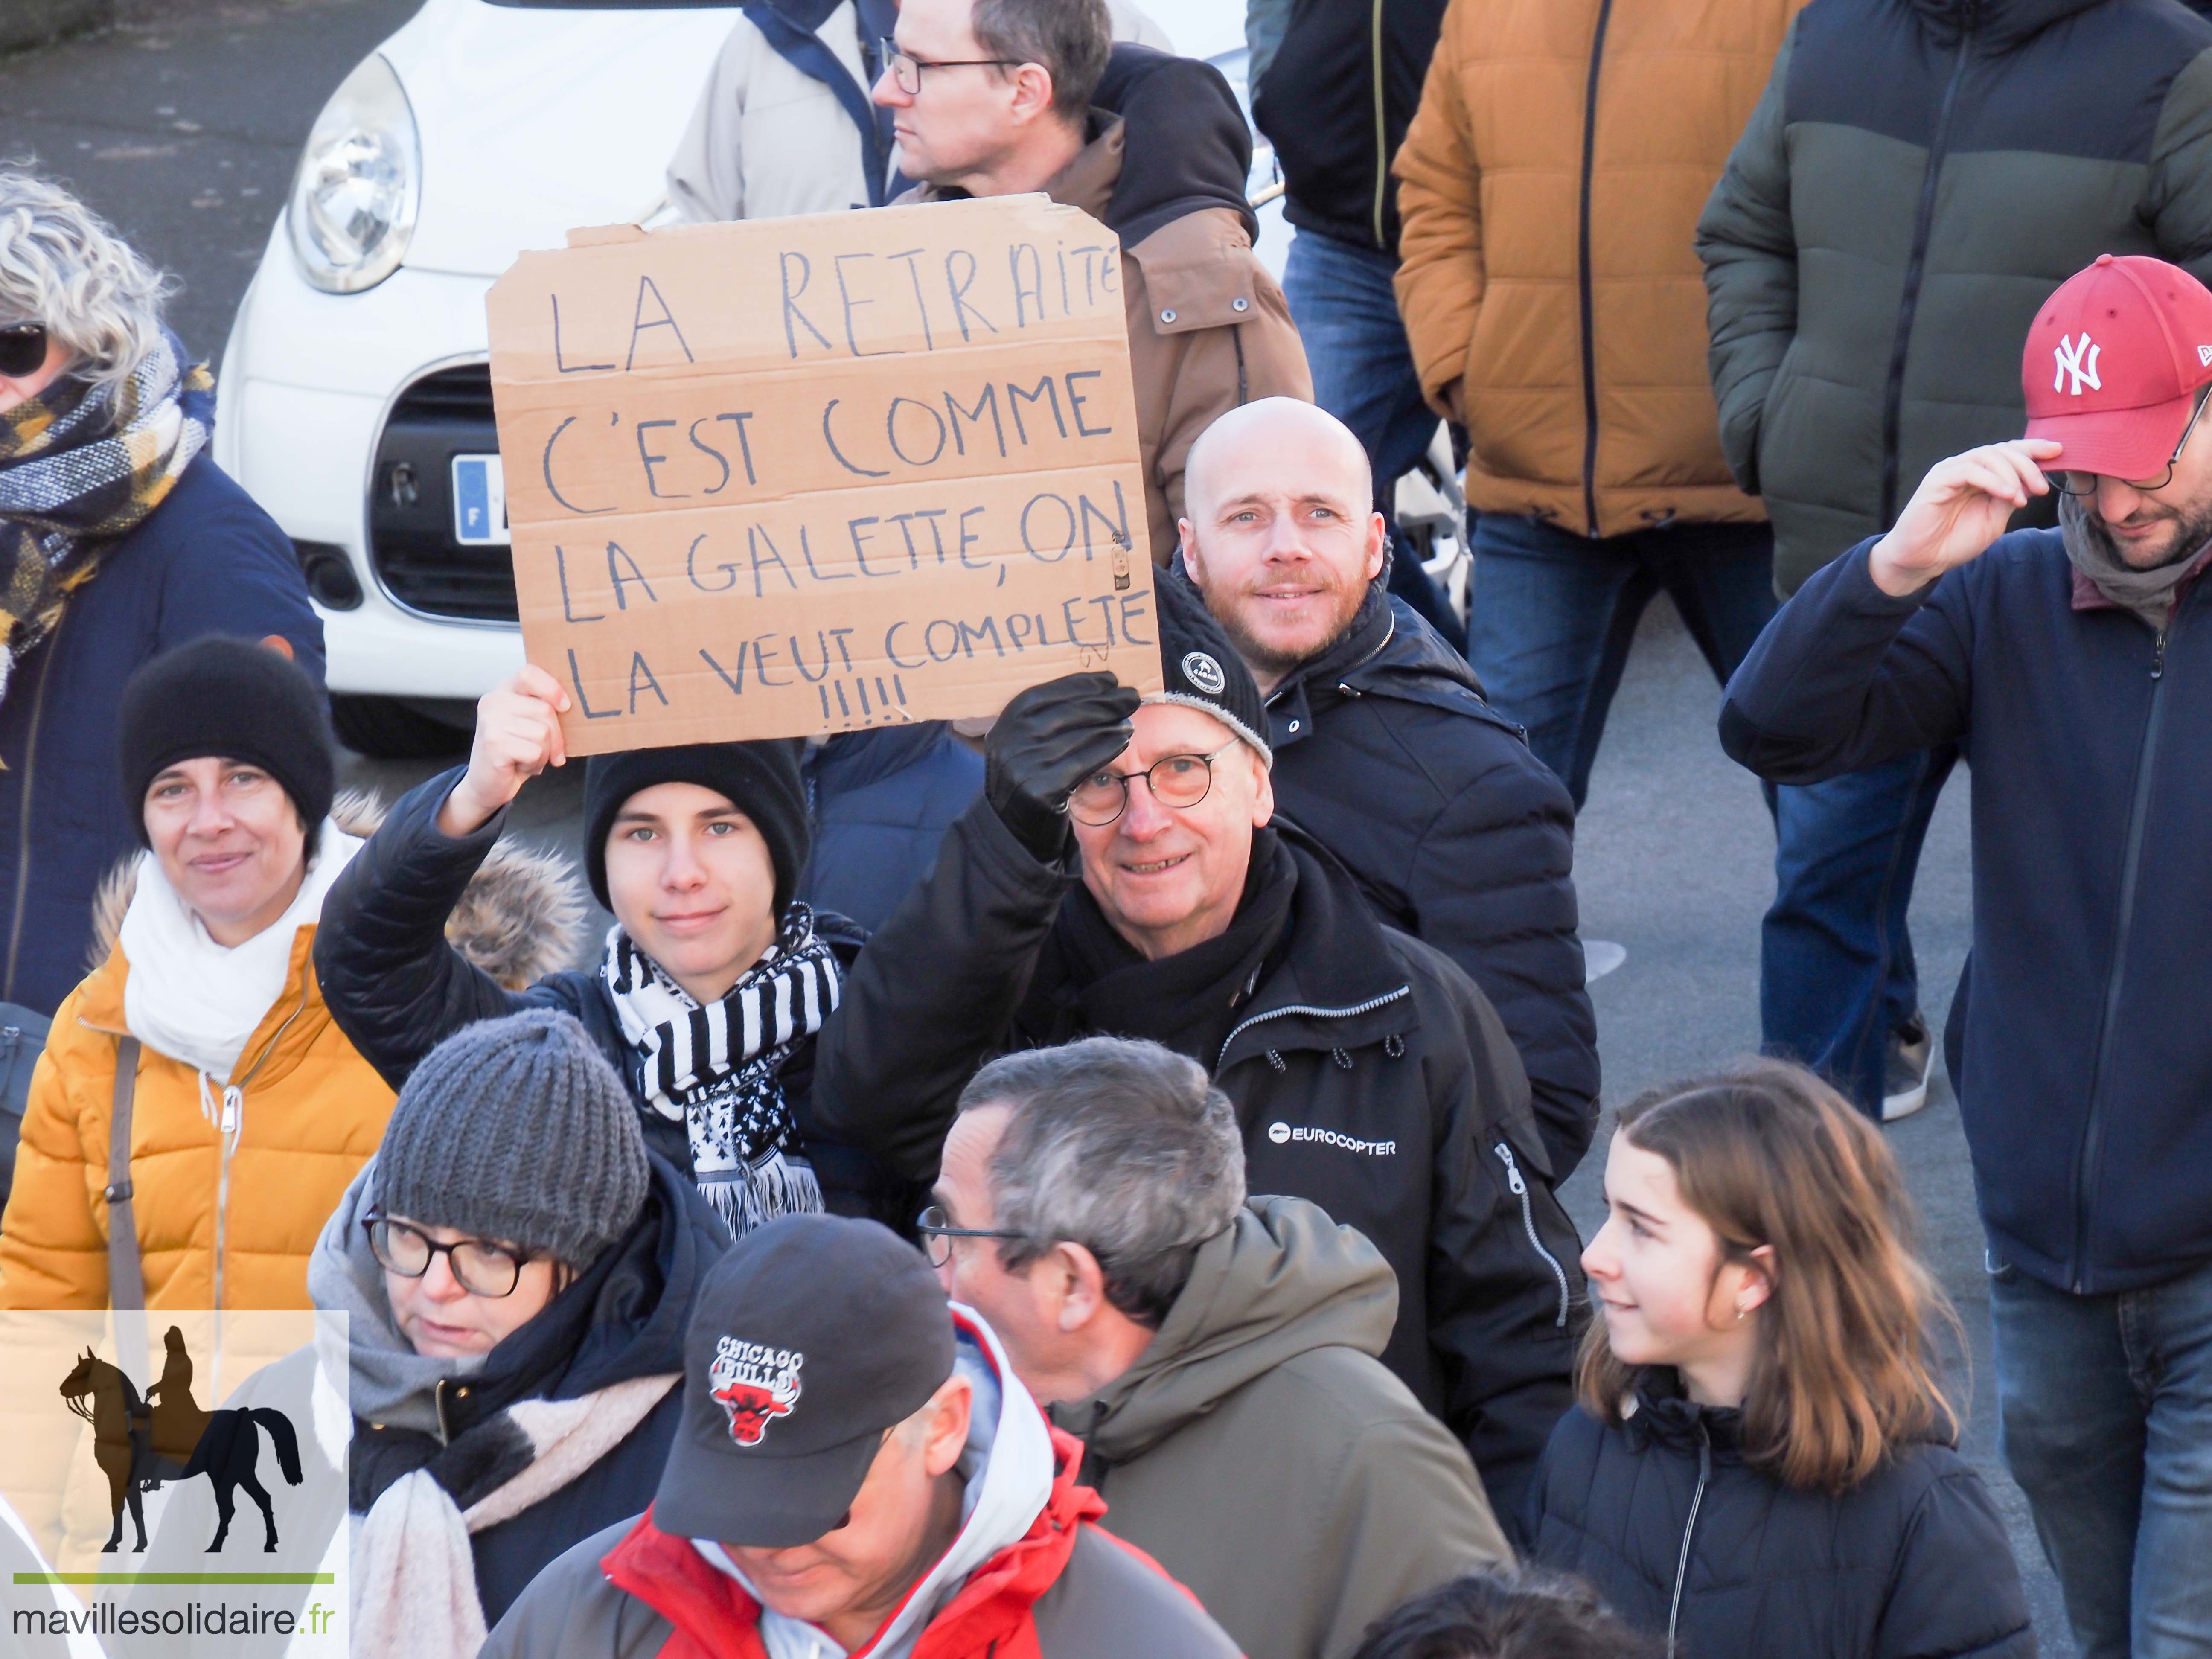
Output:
x,y
819,474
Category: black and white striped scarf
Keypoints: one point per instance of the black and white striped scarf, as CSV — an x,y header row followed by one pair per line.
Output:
x,y
713,1066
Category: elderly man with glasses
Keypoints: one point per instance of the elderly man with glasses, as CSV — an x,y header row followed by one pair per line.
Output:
x,y
2076,666
1122,876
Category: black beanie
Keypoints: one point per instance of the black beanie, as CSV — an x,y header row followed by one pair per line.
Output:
x,y
760,779
236,699
1202,669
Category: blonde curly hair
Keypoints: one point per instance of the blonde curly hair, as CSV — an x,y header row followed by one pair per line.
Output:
x,y
63,266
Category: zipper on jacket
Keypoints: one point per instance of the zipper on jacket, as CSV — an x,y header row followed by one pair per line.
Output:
x,y
1582,272
1520,1190
23,806
2090,1154
1893,402
1382,127
1366,1007
230,1126
1689,1531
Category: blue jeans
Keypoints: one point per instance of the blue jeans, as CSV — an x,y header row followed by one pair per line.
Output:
x,y
1836,970
1551,616
2106,1420
1363,373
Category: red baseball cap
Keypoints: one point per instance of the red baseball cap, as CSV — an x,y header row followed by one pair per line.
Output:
x,y
2112,361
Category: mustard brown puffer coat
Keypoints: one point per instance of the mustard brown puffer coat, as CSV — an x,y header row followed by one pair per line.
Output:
x,y
228,1228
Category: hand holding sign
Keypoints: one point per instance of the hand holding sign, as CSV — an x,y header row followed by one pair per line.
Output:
x,y
518,736
813,474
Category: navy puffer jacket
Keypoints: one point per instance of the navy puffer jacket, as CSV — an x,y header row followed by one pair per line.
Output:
x,y
1682,1539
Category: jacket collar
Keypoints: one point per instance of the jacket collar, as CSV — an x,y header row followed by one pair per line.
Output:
x,y
2088,596
1665,1416
278,1044
1998,25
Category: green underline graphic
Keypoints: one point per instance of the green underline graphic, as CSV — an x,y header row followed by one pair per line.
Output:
x,y
176,1578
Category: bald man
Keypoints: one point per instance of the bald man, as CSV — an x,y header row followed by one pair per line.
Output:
x,y
1385,750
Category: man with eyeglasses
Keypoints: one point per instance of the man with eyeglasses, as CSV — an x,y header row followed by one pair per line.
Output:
x,y
996,98
1122,875
2075,665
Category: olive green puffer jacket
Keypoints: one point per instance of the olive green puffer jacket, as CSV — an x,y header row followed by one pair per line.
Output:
x,y
1916,179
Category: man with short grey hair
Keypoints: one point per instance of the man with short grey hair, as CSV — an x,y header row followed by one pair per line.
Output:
x,y
1216,1356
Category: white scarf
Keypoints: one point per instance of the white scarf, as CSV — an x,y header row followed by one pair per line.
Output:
x,y
199,1002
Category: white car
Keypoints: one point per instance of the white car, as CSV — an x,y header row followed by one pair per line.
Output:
x,y
355,401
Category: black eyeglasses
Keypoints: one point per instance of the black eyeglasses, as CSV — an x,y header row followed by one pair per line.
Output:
x,y
905,69
938,1233
1177,780
478,1266
22,349
2085,483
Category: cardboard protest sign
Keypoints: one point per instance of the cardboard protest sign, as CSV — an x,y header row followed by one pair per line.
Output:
x,y
819,474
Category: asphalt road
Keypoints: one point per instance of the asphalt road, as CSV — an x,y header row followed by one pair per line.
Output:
x,y
182,126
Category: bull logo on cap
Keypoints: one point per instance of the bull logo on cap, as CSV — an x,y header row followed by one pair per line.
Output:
x,y
754,1384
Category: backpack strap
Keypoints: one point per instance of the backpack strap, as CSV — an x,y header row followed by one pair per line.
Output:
x,y
126,1278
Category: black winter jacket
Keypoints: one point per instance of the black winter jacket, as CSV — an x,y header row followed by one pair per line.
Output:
x,y
398,989
207,560
1335,95
624,1318
1918,178
1369,1074
1682,1540
880,801
1387,754
2085,1060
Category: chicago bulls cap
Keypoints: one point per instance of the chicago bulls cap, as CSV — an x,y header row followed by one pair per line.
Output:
x,y
2113,363
812,1336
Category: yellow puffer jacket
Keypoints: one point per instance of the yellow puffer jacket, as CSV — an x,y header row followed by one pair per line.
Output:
x,y
1552,294
232,1228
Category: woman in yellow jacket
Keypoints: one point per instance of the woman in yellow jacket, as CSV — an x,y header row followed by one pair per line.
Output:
x,y
250,1111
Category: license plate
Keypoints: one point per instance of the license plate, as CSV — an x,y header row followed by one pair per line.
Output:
x,y
479,501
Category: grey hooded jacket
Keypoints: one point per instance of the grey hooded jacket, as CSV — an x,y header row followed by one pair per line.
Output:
x,y
1261,1453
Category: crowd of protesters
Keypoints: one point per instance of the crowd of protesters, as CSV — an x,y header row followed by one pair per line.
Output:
x,y
1088,1183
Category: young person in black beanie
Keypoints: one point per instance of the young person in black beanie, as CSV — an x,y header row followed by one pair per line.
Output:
x,y
251,1111
713,982
1124,875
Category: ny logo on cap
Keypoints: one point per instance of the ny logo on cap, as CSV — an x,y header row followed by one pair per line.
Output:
x,y
755,1385
2079,359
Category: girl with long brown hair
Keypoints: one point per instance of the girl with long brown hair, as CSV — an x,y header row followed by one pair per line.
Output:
x,y
1761,1462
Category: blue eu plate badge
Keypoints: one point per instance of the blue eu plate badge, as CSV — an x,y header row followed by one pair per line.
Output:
x,y
479,501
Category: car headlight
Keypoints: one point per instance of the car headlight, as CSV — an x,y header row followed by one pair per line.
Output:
x,y
360,184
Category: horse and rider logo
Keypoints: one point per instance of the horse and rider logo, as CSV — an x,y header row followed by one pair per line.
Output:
x,y
139,1444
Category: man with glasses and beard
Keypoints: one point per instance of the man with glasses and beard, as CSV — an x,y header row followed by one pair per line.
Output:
x,y
1122,876
2073,665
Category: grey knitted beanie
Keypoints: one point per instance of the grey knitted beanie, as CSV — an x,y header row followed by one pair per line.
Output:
x,y
517,1129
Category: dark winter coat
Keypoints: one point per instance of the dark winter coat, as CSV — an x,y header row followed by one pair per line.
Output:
x,y
880,801
2079,1052
207,560
1334,96
1682,1540
1369,1072
1387,754
398,988
1918,178
624,1319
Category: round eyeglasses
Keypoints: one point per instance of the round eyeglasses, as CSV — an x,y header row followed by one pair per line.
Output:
x,y
1177,780
478,1266
2086,483
938,1233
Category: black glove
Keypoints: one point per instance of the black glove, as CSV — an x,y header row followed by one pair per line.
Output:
x,y
1048,740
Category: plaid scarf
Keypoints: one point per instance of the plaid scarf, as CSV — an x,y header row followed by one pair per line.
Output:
x,y
713,1066
80,467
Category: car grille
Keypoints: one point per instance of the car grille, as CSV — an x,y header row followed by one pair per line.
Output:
x,y
410,505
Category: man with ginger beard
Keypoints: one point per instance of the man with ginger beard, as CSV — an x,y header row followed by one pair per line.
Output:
x,y
1385,750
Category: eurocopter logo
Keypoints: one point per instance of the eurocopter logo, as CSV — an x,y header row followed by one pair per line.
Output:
x,y
1202,671
755,1385
2079,359
1283,1135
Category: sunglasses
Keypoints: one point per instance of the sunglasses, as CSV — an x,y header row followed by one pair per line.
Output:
x,y
22,349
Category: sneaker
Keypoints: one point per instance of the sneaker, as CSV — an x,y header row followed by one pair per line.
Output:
x,y
1904,1077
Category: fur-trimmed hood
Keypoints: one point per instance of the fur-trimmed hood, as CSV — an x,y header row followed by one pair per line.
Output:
x,y
520,919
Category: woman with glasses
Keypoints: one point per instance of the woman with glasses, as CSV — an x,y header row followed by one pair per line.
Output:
x,y
518,1271
120,539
